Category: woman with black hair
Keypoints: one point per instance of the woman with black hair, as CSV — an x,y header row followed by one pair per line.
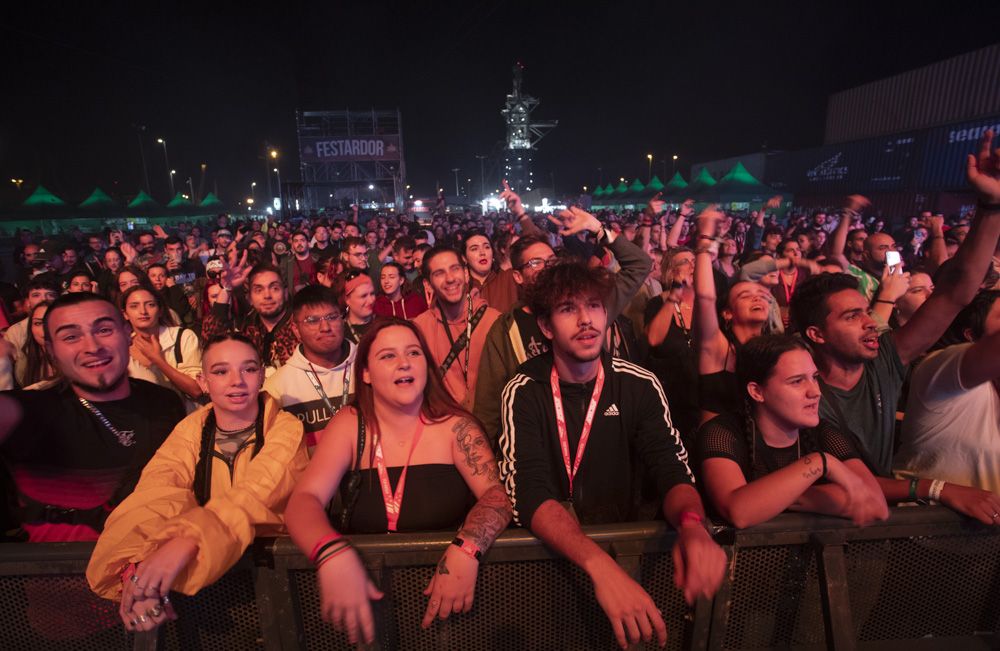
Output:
x,y
780,456
38,366
220,479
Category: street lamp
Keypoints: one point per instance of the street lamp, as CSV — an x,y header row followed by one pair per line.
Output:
x,y
456,170
274,154
649,171
280,196
166,160
253,185
675,163
18,183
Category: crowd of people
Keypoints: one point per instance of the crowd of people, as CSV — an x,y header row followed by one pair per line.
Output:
x,y
173,394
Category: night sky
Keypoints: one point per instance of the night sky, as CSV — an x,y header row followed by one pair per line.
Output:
x,y
700,80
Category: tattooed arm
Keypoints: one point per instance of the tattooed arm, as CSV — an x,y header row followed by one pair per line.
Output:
x,y
454,582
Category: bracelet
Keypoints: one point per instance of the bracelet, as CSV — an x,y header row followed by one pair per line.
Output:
x,y
706,237
703,249
332,550
879,300
934,494
688,517
468,547
331,555
322,543
822,456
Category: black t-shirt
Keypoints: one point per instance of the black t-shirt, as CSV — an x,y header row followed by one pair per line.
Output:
x,y
61,455
190,270
727,437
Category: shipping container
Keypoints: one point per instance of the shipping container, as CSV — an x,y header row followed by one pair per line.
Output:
x,y
874,165
960,88
945,149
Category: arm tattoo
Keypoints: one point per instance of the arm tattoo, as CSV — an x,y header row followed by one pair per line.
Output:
x,y
442,568
476,450
808,474
490,515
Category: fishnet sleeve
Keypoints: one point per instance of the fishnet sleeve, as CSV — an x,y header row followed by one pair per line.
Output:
x,y
835,442
722,437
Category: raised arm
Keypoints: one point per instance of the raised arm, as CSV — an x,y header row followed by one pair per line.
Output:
x,y
965,273
707,334
838,240
685,212
521,216
937,252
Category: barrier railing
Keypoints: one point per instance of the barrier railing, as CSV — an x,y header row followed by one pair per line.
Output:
x,y
926,578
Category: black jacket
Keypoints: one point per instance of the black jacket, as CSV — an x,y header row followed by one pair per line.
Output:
x,y
632,442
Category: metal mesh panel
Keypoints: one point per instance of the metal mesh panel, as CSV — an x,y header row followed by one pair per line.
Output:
x,y
657,572
910,588
775,599
520,605
56,612
223,616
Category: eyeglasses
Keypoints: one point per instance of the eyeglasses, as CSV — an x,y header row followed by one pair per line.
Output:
x,y
314,321
538,263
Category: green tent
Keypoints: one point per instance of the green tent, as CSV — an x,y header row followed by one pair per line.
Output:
x,y
98,200
42,198
598,192
608,190
738,181
143,204
180,201
703,184
210,201
675,186
655,184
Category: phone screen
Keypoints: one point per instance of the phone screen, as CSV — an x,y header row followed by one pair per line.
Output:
x,y
892,258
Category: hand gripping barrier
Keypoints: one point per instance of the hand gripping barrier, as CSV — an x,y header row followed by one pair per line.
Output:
x,y
925,579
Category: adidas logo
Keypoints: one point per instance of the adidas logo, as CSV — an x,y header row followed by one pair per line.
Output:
x,y
612,410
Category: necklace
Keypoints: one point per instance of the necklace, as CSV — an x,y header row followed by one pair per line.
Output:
x,y
126,438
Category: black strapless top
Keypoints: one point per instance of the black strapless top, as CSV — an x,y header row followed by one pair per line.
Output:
x,y
436,499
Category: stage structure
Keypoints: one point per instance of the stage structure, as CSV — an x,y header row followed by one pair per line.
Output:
x,y
351,157
522,135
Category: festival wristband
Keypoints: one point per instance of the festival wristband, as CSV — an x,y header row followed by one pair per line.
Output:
x,y
322,543
690,517
914,483
327,557
468,547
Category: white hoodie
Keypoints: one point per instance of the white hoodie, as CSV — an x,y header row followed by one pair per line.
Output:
x,y
293,385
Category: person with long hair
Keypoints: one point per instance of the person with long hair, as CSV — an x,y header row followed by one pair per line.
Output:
x,y
407,457
397,297
779,455
161,352
220,479
745,315
38,365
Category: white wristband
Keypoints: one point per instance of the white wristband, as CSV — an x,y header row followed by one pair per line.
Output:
x,y
934,493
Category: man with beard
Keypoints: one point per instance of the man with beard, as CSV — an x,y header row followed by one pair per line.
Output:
x,y
267,323
299,269
455,324
316,382
862,371
583,433
76,449
516,336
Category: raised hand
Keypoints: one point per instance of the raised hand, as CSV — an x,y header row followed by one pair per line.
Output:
x,y
893,285
234,275
983,170
655,205
686,209
857,202
128,251
708,220
774,202
574,220
159,232
514,205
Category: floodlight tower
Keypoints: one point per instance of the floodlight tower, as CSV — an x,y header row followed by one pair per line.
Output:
x,y
522,135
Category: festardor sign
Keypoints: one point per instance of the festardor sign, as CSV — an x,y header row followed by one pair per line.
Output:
x,y
359,148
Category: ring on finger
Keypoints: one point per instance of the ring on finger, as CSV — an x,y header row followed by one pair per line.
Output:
x,y
134,621
165,600
134,579
143,619
995,515
155,611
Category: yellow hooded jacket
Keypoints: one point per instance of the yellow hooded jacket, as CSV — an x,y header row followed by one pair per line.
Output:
x,y
248,503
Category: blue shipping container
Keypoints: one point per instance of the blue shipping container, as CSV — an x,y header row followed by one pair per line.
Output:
x,y
943,164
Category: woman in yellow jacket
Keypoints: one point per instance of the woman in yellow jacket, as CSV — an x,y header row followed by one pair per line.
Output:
x,y
221,478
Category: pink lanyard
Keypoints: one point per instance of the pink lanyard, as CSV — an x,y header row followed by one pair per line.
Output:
x,y
393,501
588,422
789,290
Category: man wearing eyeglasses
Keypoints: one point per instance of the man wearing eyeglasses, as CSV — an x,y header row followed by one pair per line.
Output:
x,y
516,337
315,383
355,253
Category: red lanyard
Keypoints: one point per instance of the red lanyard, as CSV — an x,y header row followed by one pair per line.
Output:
x,y
789,289
393,501
588,422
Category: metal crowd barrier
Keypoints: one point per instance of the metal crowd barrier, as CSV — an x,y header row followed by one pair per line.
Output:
x,y
925,579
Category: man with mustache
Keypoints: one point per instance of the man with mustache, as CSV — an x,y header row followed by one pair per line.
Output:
x,y
76,449
582,434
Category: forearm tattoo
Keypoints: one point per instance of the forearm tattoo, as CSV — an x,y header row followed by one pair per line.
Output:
x,y
475,448
490,515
